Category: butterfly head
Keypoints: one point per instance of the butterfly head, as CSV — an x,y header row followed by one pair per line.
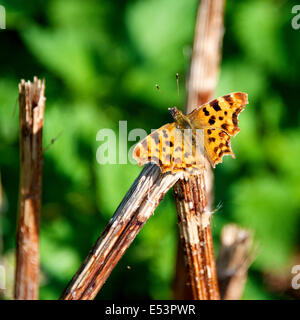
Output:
x,y
174,112
181,120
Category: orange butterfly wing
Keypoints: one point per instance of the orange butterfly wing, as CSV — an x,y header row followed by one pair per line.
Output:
x,y
221,113
170,149
167,147
219,118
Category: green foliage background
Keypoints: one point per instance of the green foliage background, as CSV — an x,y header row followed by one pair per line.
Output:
x,y
101,60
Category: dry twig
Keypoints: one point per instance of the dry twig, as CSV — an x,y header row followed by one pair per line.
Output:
x,y
32,105
136,208
2,278
1,225
233,262
194,196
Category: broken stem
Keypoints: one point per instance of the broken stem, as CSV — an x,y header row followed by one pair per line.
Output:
x,y
32,105
236,253
136,208
194,196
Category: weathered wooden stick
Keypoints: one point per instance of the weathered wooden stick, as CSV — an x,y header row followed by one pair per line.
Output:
x,y
194,196
1,226
136,208
207,49
32,105
235,256
2,276
194,224
182,289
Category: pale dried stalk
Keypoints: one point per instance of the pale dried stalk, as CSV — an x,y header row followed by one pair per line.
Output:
x,y
2,280
1,225
194,196
136,208
32,105
235,257
206,57
194,229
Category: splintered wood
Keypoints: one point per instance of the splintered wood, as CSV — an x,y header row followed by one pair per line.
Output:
x,y
206,57
196,237
236,253
194,196
136,208
32,105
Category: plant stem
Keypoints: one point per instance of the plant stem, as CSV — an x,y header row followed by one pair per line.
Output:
x,y
194,196
32,105
136,208
235,256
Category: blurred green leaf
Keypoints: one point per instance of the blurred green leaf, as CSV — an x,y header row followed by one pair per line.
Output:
x,y
101,61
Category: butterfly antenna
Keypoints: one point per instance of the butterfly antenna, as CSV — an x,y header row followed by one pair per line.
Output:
x,y
52,142
177,80
159,90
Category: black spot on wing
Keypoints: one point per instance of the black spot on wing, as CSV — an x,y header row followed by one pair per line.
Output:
x,y
155,137
224,126
205,111
215,105
212,120
228,98
165,133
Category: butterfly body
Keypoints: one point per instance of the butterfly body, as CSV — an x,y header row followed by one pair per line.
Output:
x,y
181,146
181,120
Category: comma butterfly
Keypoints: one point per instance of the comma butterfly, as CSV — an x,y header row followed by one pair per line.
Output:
x,y
205,132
